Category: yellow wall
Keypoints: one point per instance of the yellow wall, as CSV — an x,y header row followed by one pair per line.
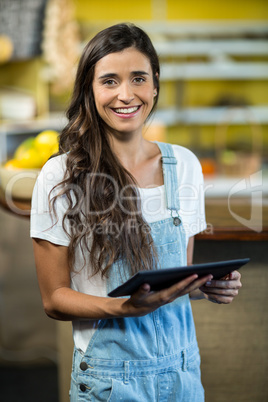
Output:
x,y
94,10
212,9
26,76
205,93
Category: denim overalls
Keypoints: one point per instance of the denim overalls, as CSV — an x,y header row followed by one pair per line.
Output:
x,y
151,358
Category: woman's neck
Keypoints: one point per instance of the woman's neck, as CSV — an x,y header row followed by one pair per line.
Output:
x,y
142,159
132,151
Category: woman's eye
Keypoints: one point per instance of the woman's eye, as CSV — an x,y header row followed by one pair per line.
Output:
x,y
139,80
109,82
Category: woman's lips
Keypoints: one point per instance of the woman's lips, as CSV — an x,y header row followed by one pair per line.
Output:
x,y
126,111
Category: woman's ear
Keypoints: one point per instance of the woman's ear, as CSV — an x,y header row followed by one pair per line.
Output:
x,y
156,80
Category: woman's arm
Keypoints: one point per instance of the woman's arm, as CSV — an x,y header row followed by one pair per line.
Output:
x,y
190,251
63,303
59,300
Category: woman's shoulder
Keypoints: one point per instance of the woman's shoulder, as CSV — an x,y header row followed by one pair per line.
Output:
x,y
55,165
185,156
53,170
183,152
189,168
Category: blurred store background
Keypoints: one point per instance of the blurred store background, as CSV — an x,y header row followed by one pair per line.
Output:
x,y
213,100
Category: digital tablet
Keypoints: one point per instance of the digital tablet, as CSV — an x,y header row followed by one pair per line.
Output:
x,y
163,278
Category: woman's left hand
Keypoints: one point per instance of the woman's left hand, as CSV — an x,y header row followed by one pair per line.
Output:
x,y
224,290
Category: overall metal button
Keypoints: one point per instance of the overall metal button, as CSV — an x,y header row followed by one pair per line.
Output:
x,y
176,221
83,387
83,366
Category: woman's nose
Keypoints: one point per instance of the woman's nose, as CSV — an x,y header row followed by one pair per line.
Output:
x,y
125,93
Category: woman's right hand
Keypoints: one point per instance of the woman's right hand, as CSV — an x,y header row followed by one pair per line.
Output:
x,y
144,301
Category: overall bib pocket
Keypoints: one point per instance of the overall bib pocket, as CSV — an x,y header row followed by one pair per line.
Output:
x,y
169,255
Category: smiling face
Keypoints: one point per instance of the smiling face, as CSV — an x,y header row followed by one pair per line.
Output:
x,y
124,90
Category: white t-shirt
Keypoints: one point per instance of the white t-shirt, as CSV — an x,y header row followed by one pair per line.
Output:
x,y
153,204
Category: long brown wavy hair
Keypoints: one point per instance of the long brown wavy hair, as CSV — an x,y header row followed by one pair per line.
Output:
x,y
104,225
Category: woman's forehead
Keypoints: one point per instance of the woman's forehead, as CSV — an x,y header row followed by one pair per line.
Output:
x,y
129,59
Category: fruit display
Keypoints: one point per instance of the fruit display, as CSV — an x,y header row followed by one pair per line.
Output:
x,y
6,48
18,175
34,151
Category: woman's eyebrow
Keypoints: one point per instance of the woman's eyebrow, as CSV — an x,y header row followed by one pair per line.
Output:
x,y
114,75
108,75
139,72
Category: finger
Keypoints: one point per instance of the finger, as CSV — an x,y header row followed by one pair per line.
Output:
x,y
186,287
169,294
223,284
196,284
231,276
184,282
235,275
143,290
221,299
219,292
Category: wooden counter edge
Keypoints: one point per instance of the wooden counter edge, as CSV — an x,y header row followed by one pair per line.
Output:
x,y
233,233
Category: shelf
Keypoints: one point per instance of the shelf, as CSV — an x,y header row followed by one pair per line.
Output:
x,y
223,186
54,121
185,28
211,47
214,71
211,115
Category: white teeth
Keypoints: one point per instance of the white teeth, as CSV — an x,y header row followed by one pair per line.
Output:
x,y
127,110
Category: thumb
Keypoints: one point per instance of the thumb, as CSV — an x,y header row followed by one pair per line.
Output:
x,y
143,289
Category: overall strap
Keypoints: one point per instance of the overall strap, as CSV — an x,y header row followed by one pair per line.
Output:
x,y
169,163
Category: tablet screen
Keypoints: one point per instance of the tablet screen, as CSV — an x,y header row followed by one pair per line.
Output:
x,y
163,278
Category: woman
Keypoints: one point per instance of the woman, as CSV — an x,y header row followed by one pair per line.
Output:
x,y
111,204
